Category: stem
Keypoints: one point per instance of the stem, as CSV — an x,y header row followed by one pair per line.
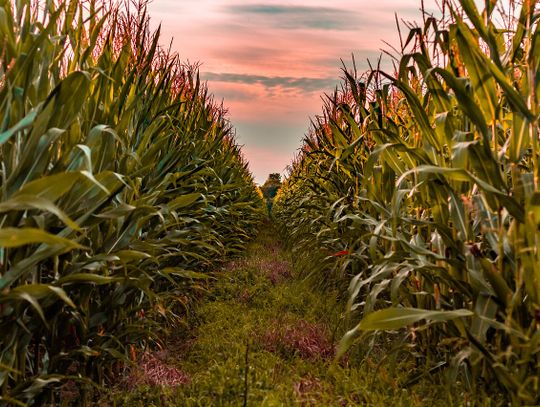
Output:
x,y
531,75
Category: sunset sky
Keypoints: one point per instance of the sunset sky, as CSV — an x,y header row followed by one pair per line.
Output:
x,y
271,60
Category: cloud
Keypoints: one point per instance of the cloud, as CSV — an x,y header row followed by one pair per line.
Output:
x,y
271,60
248,102
246,53
305,84
300,17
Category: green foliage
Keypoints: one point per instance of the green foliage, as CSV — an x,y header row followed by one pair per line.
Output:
x,y
120,186
421,190
270,189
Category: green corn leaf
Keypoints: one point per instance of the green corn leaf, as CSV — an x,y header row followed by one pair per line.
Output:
x,y
184,201
519,138
24,202
127,256
458,174
23,295
24,123
420,115
86,278
396,318
51,187
482,81
467,103
40,291
15,237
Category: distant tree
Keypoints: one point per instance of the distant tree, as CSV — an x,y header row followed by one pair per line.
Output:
x,y
270,188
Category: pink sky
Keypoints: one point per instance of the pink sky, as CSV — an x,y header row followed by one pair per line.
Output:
x,y
271,60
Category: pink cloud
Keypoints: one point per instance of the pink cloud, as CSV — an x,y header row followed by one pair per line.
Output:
x,y
250,102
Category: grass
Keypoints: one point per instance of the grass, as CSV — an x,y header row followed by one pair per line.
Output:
x,y
281,332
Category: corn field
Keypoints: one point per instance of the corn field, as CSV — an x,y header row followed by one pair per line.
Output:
x,y
416,193
120,186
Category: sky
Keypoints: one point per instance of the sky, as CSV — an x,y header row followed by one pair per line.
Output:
x,y
271,61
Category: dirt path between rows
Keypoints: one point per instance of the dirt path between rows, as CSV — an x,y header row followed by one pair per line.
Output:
x,y
262,337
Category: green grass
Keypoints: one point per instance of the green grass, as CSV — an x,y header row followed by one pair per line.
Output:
x,y
242,307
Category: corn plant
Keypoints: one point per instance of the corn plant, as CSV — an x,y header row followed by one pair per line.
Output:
x,y
121,186
421,187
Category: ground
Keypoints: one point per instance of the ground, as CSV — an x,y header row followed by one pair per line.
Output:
x,y
265,337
